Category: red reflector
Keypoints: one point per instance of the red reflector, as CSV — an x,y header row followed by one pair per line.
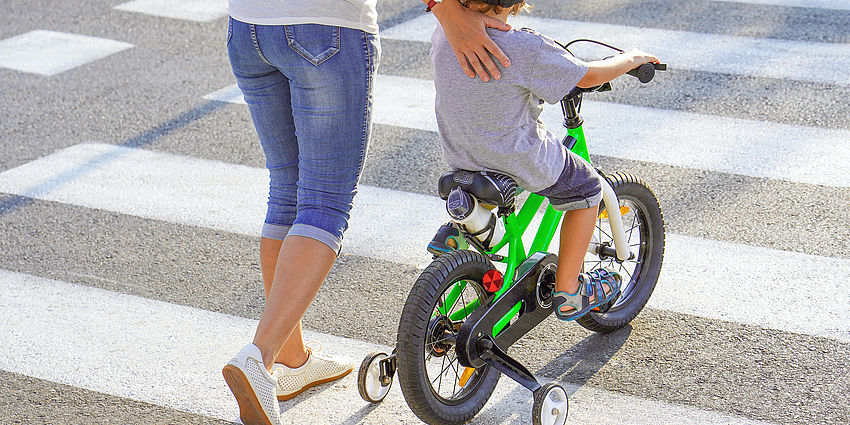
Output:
x,y
492,280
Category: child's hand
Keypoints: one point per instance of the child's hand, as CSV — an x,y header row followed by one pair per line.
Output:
x,y
639,57
599,72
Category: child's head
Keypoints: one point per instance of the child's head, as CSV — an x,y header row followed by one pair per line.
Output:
x,y
494,7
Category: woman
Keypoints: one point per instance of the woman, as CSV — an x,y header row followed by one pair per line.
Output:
x,y
306,69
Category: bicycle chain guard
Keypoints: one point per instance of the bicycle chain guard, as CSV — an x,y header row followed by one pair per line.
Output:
x,y
476,343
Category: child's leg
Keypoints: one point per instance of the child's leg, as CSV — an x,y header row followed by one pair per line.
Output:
x,y
576,231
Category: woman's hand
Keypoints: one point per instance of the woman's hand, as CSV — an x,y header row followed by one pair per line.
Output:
x,y
464,30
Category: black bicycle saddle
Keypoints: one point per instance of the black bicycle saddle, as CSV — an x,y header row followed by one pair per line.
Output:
x,y
489,187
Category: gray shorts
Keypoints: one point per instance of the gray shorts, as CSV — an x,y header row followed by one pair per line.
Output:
x,y
577,187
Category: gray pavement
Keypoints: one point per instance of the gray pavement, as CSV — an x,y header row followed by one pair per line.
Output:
x,y
150,97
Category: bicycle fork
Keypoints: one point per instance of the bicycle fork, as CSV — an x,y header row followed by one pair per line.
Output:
x,y
615,220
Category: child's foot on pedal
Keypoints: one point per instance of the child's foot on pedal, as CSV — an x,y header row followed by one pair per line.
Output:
x,y
596,288
447,239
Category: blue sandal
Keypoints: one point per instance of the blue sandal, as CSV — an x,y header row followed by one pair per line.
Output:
x,y
590,285
447,239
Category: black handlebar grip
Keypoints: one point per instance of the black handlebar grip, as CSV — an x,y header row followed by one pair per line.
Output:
x,y
646,72
643,73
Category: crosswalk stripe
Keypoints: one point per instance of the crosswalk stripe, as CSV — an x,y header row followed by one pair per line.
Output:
x,y
191,10
50,52
175,361
700,277
760,149
772,58
817,4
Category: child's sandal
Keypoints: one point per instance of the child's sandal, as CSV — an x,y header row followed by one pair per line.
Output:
x,y
590,285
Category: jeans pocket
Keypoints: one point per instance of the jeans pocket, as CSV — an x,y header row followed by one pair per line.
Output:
x,y
316,43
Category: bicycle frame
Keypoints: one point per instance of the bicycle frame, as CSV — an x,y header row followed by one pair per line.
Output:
x,y
516,224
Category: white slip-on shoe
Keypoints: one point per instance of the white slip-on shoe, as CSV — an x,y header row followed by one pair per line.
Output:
x,y
253,387
318,369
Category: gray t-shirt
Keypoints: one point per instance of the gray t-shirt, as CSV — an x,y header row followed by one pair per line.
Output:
x,y
495,125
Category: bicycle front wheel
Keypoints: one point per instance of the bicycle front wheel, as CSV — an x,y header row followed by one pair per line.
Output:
x,y
436,387
644,226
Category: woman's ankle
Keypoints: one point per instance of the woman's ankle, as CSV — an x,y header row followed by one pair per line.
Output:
x,y
294,359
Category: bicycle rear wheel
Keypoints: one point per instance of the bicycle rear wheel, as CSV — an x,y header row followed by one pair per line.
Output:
x,y
436,387
644,226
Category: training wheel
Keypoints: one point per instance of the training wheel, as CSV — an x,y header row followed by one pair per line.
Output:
x,y
369,378
551,405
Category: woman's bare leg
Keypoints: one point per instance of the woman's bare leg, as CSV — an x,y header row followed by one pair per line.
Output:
x,y
291,280
294,352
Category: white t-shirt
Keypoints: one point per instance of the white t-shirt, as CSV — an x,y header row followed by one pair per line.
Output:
x,y
357,14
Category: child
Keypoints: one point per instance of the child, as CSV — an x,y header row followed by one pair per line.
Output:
x,y
495,126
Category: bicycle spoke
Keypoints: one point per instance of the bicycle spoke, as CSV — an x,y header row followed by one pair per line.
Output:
x,y
448,311
439,376
457,378
444,368
627,272
630,231
439,340
635,224
602,232
457,300
598,263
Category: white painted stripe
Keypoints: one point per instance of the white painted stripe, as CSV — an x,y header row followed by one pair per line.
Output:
x,y
707,142
763,57
230,94
719,280
191,10
50,52
171,355
817,4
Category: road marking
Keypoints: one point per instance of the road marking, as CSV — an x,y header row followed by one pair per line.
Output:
x,y
700,277
91,338
232,94
50,52
728,145
762,57
191,10
817,4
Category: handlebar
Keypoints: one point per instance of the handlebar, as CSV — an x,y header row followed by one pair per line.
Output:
x,y
571,103
646,72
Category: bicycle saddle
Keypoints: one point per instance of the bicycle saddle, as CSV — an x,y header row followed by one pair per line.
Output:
x,y
490,188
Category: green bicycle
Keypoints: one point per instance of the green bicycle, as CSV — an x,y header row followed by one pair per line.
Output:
x,y
464,312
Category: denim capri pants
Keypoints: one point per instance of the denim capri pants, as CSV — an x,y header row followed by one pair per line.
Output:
x,y
309,90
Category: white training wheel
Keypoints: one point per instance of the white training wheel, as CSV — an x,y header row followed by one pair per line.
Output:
x,y
551,405
369,378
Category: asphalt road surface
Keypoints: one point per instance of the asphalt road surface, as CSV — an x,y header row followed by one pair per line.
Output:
x,y
131,199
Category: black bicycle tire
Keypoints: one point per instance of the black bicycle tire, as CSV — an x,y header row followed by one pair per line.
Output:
x,y
629,186
412,330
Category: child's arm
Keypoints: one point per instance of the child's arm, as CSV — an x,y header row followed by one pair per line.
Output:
x,y
602,71
464,30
